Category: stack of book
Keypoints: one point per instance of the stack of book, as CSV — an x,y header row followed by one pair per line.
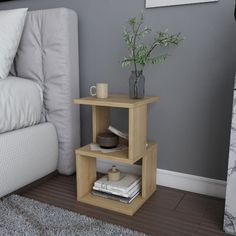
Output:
x,y
125,190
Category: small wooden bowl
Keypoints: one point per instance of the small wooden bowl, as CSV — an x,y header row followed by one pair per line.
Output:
x,y
107,140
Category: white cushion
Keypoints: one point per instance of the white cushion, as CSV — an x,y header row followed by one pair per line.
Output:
x,y
21,103
11,27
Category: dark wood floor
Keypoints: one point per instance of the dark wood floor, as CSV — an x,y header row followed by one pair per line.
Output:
x,y
169,212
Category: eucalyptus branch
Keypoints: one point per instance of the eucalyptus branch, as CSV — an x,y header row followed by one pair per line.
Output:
x,y
151,49
140,52
134,44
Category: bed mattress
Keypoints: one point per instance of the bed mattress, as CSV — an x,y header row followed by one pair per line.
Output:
x,y
21,103
27,155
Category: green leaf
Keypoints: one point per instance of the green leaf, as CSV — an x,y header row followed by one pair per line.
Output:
x,y
140,51
158,59
132,21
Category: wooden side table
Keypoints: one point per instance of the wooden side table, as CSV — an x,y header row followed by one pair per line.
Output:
x,y
137,150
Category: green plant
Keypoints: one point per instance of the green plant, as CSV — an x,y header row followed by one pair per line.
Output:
x,y
141,53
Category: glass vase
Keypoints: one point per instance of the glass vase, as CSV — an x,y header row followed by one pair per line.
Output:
x,y
136,85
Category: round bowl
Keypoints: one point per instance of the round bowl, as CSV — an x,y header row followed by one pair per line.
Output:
x,y
107,140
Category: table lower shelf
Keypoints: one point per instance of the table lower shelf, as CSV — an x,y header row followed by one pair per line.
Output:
x,y
128,209
118,156
86,176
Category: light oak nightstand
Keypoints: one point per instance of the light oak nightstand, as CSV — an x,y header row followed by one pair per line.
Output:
x,y
137,150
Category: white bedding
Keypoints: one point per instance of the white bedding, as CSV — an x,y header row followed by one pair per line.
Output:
x,y
21,103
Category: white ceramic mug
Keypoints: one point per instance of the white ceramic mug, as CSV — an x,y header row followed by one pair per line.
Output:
x,y
100,90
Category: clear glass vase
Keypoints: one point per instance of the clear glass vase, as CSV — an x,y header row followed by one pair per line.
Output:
x,y
136,85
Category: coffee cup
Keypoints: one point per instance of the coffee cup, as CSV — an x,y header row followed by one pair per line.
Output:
x,y
100,90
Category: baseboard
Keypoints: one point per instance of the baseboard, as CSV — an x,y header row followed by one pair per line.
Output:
x,y
191,183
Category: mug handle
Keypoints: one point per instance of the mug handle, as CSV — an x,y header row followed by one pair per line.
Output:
x,y
91,91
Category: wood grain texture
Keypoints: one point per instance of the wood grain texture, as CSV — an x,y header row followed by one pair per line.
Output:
x,y
127,209
86,175
149,169
168,212
137,132
136,150
116,100
121,156
101,120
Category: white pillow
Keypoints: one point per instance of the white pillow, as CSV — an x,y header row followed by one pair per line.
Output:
x,y
11,28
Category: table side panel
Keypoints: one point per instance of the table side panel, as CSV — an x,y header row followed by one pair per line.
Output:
x,y
137,132
149,168
85,174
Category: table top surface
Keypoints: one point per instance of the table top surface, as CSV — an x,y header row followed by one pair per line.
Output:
x,y
116,100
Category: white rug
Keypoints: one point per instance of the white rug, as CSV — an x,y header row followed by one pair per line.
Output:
x,y
23,216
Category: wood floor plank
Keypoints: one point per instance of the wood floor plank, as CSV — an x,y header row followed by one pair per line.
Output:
x,y
169,212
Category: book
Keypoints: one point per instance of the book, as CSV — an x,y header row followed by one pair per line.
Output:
x,y
124,185
128,194
118,132
115,197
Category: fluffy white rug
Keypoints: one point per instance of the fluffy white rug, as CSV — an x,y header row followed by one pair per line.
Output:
x,y
23,216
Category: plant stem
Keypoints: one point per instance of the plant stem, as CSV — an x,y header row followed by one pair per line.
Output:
x,y
136,87
134,46
151,49
135,69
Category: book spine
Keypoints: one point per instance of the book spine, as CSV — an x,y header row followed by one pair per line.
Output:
x,y
128,194
111,192
117,189
116,198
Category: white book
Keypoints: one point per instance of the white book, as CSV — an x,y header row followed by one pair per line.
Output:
x,y
115,197
129,194
124,185
118,132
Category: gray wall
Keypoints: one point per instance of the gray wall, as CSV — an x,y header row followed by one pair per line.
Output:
x,y
192,120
